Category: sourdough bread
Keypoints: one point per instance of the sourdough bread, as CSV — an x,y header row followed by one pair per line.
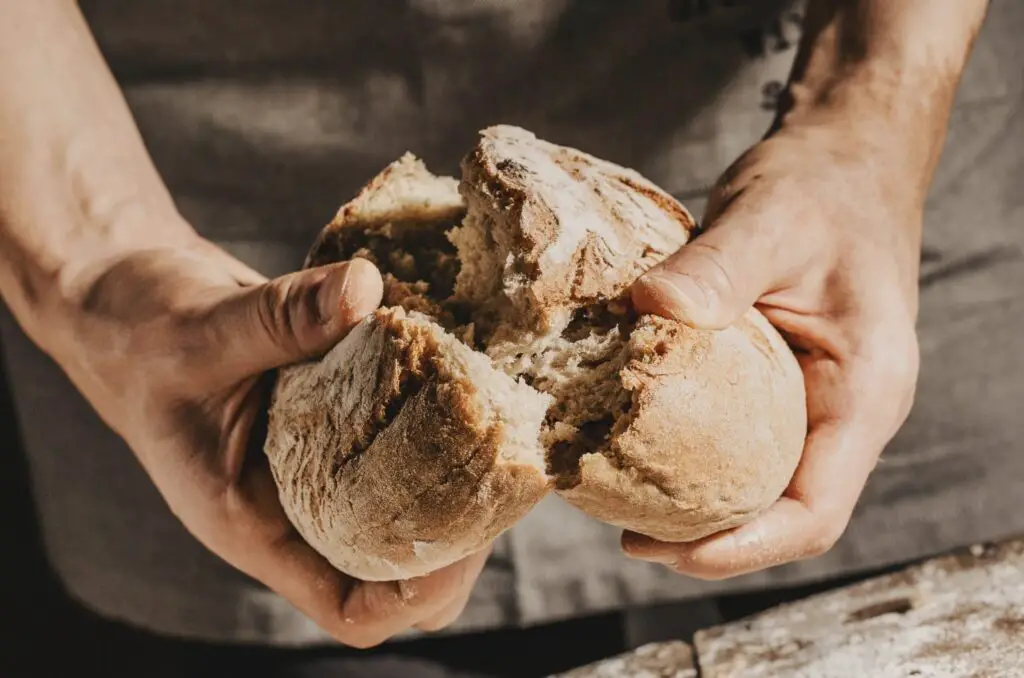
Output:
x,y
508,361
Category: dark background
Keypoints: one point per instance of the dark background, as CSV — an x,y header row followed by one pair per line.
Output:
x,y
36,613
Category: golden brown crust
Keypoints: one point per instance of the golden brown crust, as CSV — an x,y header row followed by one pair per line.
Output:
x,y
718,419
574,229
404,449
404,195
714,435
388,461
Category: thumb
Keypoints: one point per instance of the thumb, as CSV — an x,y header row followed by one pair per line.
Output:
x,y
713,280
292,318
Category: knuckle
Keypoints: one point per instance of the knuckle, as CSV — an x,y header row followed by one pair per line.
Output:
x,y
441,622
359,632
906,400
905,361
364,607
446,617
907,373
247,524
369,610
824,537
819,545
885,362
360,640
273,313
899,388
270,305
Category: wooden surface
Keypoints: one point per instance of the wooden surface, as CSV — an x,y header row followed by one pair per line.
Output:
x,y
959,616
657,660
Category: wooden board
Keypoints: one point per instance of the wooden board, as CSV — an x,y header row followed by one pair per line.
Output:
x,y
656,660
958,616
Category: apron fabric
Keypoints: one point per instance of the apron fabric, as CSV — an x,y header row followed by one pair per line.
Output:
x,y
263,116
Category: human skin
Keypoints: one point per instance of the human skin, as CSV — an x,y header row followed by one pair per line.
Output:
x,y
165,334
820,226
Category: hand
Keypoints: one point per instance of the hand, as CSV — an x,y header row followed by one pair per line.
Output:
x,y
170,346
826,244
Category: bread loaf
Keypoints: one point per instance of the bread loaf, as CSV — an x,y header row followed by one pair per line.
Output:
x,y
507,361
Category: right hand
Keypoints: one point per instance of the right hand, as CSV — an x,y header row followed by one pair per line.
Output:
x,y
170,346
840,282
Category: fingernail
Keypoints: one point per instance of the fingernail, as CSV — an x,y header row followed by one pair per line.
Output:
x,y
683,289
349,292
675,293
662,559
341,296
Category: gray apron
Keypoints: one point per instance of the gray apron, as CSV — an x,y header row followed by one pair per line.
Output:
x,y
264,116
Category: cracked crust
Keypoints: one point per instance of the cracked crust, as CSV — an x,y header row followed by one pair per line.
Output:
x,y
572,230
712,436
707,427
508,361
398,453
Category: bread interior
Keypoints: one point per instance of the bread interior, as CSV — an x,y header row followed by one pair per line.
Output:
x,y
462,276
513,405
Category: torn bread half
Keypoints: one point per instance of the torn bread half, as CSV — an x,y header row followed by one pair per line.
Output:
x,y
507,360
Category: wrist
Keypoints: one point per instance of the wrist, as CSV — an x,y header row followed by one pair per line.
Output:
x,y
882,77
873,116
78,186
45,273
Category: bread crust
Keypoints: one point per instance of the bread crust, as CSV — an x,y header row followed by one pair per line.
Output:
x,y
716,420
579,229
388,456
405,449
713,436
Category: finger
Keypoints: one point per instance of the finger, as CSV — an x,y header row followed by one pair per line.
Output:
x,y
384,609
713,280
287,319
806,522
360,614
448,614
856,404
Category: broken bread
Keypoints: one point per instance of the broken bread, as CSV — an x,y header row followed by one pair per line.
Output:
x,y
507,361
403,449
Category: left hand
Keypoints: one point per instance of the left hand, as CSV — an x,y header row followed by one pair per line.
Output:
x,y
823,236
170,343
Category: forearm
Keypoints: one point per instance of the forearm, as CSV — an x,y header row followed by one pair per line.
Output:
x,y
886,71
76,183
